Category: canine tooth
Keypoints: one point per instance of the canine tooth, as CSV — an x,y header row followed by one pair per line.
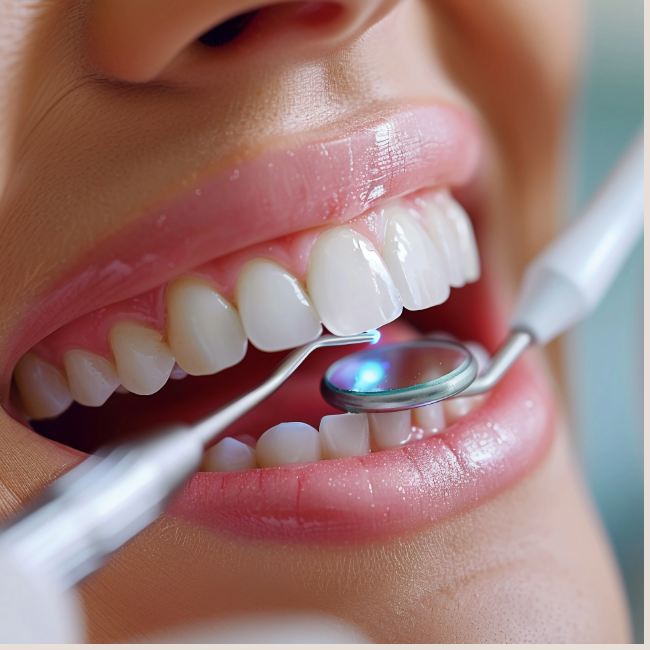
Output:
x,y
276,312
414,262
445,238
143,360
229,455
460,406
344,435
430,418
43,389
92,378
289,442
204,329
466,239
349,283
390,430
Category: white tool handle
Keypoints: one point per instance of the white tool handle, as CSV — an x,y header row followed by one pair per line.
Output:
x,y
569,278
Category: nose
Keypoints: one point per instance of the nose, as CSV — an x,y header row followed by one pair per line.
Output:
x,y
135,40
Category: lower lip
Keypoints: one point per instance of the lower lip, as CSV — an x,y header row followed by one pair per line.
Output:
x,y
371,497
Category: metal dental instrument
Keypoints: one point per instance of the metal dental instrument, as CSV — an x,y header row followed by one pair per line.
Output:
x,y
88,513
560,288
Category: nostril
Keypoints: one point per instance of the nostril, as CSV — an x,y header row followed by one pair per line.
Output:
x,y
227,31
275,18
136,40
317,13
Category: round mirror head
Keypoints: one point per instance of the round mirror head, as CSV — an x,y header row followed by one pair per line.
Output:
x,y
399,376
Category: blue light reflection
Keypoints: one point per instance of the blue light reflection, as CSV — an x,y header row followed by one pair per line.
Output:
x,y
369,376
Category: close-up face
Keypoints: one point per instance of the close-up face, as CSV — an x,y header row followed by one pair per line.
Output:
x,y
188,191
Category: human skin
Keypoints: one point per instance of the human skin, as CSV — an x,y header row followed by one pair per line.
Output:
x,y
90,131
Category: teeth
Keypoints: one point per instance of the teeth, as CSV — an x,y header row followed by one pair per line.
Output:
x,y
276,312
289,442
445,238
92,378
466,239
431,418
344,435
205,332
229,455
350,288
43,389
390,430
414,262
458,407
144,361
349,283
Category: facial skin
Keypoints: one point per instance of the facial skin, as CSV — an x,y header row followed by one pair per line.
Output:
x,y
106,104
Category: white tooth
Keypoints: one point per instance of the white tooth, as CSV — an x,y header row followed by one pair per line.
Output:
x,y
349,283
481,355
43,389
143,359
229,455
445,238
92,378
204,329
289,442
414,262
344,435
390,430
466,239
276,312
430,418
460,406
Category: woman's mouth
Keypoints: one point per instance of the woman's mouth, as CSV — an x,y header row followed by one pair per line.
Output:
x,y
294,469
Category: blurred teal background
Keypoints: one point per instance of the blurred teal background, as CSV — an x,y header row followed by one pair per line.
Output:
x,y
604,356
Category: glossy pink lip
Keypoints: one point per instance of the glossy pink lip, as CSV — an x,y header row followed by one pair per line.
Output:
x,y
280,192
383,493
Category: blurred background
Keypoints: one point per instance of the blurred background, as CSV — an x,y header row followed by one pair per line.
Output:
x,y
604,355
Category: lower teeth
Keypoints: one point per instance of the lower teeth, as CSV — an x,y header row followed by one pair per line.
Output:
x,y
339,436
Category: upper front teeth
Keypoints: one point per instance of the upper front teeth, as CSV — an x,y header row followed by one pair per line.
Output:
x,y
416,265
276,311
144,361
350,287
204,330
349,283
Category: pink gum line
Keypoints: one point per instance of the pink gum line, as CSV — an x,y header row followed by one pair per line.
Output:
x,y
91,331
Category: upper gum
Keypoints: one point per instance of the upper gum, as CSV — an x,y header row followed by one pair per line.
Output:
x,y
91,331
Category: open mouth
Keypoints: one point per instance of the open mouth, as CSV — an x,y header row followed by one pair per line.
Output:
x,y
394,253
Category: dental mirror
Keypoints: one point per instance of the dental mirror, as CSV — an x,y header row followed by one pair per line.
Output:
x,y
399,376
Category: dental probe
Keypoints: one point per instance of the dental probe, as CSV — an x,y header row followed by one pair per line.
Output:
x,y
90,512
567,281
560,288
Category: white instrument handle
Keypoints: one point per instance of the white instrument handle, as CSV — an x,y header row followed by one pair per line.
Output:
x,y
569,278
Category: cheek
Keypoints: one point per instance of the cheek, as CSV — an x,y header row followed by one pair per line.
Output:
x,y
528,566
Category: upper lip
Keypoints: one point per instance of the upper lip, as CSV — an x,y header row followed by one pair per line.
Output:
x,y
304,183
